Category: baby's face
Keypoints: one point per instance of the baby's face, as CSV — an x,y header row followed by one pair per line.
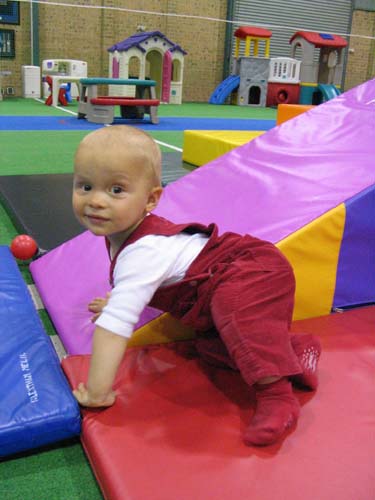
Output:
x,y
112,190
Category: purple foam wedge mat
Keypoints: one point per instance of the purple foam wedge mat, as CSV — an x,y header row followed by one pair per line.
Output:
x,y
270,188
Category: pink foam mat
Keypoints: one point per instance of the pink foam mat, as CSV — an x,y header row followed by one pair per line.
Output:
x,y
68,278
270,188
175,429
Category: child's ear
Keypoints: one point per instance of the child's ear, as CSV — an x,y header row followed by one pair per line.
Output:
x,y
153,198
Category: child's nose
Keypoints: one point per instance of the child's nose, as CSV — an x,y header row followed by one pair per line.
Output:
x,y
97,199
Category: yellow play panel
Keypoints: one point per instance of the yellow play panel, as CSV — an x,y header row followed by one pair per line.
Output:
x,y
165,328
203,146
313,252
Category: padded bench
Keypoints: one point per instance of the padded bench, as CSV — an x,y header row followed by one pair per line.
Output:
x,y
101,109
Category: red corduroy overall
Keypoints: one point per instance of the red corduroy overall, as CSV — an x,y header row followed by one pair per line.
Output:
x,y
239,285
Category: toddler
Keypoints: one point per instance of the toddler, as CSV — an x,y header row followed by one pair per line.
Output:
x,y
236,291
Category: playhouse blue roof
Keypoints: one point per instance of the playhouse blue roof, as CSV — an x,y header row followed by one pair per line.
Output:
x,y
136,39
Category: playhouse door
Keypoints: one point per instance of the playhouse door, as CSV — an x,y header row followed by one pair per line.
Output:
x,y
167,76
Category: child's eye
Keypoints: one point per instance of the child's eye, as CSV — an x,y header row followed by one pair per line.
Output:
x,y
116,190
82,186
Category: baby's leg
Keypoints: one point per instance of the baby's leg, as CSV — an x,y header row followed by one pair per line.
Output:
x,y
252,310
307,348
277,409
213,351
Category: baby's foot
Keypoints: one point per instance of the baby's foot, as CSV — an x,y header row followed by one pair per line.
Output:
x,y
277,410
308,349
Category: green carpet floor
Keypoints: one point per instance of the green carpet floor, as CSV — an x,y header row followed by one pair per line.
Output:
x,y
51,152
62,472
33,107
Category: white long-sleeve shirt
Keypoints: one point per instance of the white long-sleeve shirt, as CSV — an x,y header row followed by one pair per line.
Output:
x,y
141,268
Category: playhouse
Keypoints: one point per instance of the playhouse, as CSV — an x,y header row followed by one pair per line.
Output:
x,y
148,55
252,70
62,67
258,80
320,78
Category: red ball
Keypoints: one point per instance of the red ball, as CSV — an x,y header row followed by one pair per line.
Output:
x,y
23,247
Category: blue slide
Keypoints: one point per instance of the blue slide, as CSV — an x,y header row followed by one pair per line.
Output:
x,y
224,89
37,406
329,91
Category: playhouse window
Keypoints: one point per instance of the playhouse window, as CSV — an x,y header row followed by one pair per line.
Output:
x,y
176,71
297,52
134,67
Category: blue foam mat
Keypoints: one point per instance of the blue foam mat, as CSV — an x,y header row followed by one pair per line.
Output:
x,y
37,406
166,123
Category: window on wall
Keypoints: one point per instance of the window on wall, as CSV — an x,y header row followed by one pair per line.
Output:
x,y
9,12
7,47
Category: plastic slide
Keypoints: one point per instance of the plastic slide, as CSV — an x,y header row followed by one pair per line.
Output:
x,y
224,89
329,91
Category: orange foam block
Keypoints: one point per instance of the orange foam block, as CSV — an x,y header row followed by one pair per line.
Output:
x,y
287,111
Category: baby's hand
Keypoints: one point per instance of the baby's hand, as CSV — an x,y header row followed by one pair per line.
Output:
x,y
97,305
85,399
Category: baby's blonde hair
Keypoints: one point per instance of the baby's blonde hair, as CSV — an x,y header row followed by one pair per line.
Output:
x,y
122,136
